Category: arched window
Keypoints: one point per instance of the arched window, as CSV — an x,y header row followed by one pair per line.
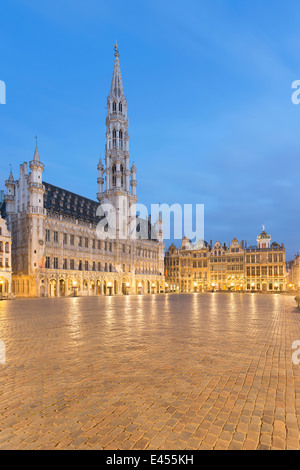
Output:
x,y
122,175
114,138
114,106
114,175
120,139
120,107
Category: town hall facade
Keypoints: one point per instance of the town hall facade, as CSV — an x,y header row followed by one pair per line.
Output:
x,y
56,247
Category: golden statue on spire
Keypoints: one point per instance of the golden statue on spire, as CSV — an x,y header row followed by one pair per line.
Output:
x,y
116,49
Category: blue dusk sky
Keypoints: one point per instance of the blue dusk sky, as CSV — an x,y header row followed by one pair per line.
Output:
x,y
208,86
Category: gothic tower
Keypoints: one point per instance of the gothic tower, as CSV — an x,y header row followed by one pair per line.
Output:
x,y
120,179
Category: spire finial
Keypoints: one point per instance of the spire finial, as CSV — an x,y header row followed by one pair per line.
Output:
x,y
263,228
116,49
11,178
36,153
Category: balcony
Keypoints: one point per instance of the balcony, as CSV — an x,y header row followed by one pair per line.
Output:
x,y
36,210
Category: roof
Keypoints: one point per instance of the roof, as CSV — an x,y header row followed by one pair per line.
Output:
x,y
63,202
264,235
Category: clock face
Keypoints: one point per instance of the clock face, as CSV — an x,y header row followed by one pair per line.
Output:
x,y
41,242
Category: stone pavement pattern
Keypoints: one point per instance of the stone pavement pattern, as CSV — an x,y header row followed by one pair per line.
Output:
x,y
198,371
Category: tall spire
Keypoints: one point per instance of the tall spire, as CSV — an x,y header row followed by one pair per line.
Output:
x,y
11,177
116,89
36,157
117,171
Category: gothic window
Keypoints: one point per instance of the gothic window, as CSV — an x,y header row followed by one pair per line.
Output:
x,y
114,138
120,139
120,107
122,174
114,106
114,175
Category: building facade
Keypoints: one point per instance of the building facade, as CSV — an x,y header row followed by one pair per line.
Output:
x,y
5,260
294,274
63,245
265,267
226,266
186,269
217,267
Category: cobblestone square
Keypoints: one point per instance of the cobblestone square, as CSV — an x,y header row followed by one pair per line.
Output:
x,y
187,371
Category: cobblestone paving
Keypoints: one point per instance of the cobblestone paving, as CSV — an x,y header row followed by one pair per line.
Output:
x,y
199,371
